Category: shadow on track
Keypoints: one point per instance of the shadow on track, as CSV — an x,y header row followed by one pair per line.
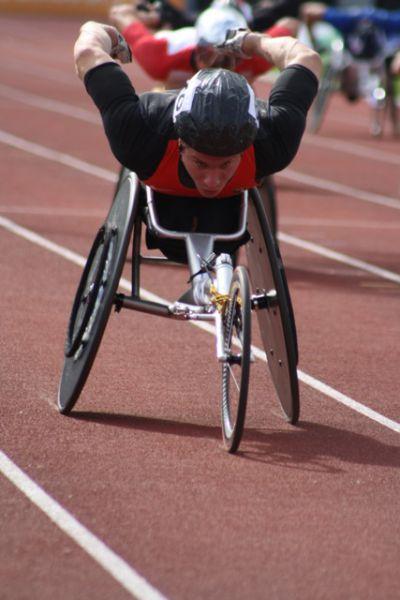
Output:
x,y
316,447
308,446
149,424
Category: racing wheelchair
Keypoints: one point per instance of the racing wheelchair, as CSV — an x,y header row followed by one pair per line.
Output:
x,y
220,293
359,68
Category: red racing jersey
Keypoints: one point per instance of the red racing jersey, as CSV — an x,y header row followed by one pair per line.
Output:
x,y
168,177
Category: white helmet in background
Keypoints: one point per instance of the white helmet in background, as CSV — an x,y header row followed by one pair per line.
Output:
x,y
240,5
212,25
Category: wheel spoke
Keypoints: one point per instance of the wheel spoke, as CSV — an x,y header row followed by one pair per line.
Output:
x,y
234,378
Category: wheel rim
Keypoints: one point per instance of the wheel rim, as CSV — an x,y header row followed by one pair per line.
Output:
x,y
231,369
235,371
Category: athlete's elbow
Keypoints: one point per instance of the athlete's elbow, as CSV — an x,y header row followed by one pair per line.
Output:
x,y
84,57
315,63
309,58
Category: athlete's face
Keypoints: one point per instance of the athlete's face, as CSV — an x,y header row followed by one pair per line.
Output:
x,y
209,173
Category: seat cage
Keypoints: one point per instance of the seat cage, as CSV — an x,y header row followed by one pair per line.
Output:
x,y
198,245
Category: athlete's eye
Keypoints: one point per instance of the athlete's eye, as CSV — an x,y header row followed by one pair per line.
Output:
x,y
200,164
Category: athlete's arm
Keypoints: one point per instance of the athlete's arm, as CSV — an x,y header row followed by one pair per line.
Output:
x,y
257,65
98,44
283,119
137,128
281,52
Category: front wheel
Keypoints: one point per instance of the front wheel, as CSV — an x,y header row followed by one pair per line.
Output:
x,y
236,367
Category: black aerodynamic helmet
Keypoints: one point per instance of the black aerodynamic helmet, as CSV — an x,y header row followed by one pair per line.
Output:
x,y
216,113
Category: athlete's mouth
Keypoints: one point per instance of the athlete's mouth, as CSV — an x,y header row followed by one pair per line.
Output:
x,y
209,191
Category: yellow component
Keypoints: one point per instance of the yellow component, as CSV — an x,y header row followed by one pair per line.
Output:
x,y
218,300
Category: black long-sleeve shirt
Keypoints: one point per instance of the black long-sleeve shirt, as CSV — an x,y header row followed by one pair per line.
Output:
x,y
140,128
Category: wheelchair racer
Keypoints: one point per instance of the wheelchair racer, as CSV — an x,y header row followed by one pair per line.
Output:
x,y
173,56
199,148
351,21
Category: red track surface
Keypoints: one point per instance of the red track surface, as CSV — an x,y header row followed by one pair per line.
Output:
x,y
301,512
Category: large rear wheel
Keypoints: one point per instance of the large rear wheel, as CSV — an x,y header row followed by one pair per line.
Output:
x,y
274,308
96,293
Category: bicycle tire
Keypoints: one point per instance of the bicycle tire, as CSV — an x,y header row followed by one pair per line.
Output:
x,y
100,279
236,369
276,321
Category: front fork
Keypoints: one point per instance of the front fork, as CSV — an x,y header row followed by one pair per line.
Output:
x,y
220,297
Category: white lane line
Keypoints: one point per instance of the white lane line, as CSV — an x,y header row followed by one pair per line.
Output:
x,y
70,161
304,377
90,169
351,148
339,257
33,53
44,103
339,188
291,221
49,73
92,117
348,223
52,212
55,156
327,390
113,564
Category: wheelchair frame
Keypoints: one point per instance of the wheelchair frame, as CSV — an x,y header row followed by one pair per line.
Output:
x,y
218,293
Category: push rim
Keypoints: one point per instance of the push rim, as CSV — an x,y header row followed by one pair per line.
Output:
x,y
93,281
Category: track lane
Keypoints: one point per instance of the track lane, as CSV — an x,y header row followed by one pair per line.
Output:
x,y
302,453
125,283
25,567
235,512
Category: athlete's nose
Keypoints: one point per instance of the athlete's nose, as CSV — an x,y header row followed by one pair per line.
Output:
x,y
212,179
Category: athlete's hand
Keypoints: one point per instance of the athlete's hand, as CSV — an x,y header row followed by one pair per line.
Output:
x,y
234,41
120,49
208,56
96,43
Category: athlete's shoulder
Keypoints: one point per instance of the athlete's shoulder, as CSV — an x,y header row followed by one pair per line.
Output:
x,y
157,109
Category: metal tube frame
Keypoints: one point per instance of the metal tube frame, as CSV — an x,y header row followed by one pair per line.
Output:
x,y
198,246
